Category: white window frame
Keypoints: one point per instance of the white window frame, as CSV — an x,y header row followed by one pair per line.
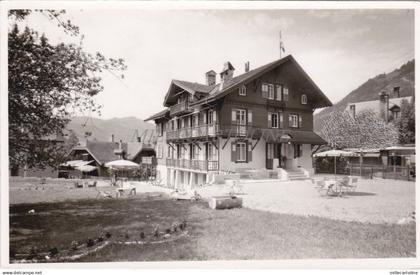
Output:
x,y
264,87
271,92
239,147
304,99
295,120
242,90
210,117
276,125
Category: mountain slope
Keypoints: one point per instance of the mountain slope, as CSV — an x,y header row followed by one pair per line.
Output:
x,y
102,129
402,77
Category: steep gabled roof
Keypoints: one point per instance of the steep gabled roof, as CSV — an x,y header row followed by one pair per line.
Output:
x,y
193,86
235,82
158,115
102,151
190,87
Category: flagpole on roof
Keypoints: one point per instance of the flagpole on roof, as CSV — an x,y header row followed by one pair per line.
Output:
x,y
281,44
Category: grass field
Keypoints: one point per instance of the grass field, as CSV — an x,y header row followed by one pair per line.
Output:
x,y
212,235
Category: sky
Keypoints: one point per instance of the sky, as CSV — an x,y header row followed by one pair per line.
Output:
x,y
339,49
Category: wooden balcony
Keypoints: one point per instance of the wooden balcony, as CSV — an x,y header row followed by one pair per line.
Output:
x,y
193,164
179,109
200,131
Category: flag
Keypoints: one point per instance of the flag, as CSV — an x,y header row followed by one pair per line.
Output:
x,y
281,44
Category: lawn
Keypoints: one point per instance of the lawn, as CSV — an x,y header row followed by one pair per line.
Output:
x,y
212,235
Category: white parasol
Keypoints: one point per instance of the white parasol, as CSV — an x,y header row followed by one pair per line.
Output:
x,y
335,154
122,164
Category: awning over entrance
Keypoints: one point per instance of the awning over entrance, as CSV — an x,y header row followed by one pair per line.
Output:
x,y
293,136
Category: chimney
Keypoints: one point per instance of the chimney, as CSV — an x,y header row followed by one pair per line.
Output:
x,y
210,78
384,105
112,138
247,66
227,72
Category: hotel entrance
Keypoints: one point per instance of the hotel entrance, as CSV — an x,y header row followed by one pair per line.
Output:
x,y
273,155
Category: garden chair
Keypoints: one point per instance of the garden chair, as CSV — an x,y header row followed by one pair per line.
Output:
x,y
105,192
125,187
318,183
92,183
236,188
353,184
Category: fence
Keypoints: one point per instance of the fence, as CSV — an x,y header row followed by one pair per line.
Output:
x,y
373,171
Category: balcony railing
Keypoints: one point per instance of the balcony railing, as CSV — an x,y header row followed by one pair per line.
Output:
x,y
193,164
206,130
179,108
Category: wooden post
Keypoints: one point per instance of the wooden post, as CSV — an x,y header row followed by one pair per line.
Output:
x,y
225,202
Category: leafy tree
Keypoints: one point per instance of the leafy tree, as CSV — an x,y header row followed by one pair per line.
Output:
x,y
366,130
406,124
47,85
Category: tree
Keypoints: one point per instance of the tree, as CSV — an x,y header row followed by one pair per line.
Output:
x,y
366,130
406,124
47,85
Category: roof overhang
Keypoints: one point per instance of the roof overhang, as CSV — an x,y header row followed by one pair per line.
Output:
x,y
161,114
324,103
295,137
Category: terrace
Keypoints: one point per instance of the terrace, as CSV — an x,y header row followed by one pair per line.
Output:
x,y
194,164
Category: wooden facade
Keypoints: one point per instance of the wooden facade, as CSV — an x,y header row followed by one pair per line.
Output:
x,y
244,122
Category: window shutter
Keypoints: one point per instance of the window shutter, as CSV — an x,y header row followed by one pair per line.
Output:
x,y
300,121
269,120
278,91
249,117
249,153
281,120
300,150
233,116
214,117
233,152
290,121
205,117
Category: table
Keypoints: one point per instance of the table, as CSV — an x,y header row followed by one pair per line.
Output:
x,y
334,186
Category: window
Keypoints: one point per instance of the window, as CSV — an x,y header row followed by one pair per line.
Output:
x,y
241,151
274,117
304,99
294,121
270,91
396,114
168,151
264,87
279,92
285,93
242,90
194,151
211,116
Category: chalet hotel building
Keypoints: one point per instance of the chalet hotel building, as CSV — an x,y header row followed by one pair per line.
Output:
x,y
259,120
